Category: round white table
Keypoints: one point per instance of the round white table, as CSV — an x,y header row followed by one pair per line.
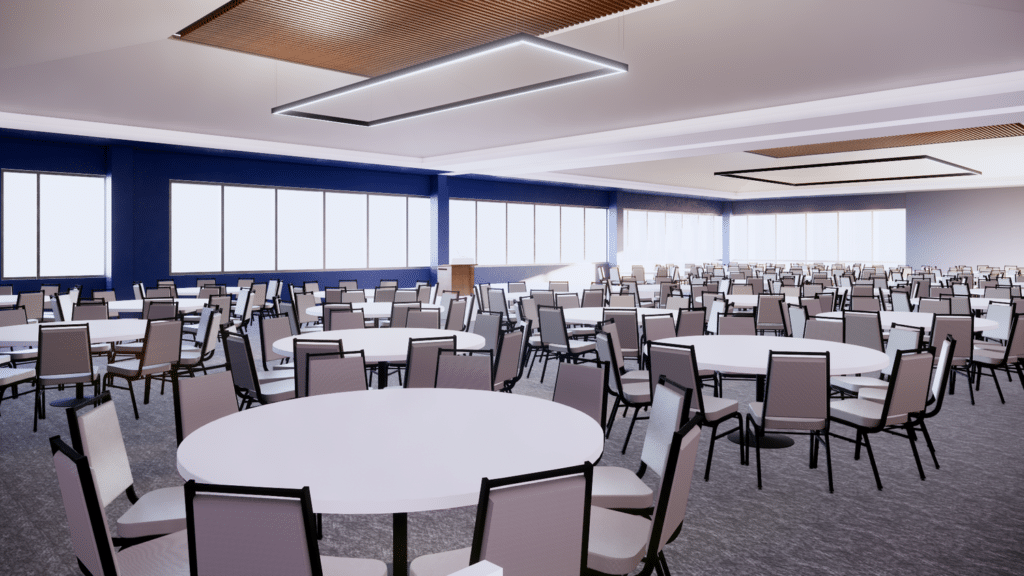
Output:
x,y
976,303
915,319
135,306
193,291
100,331
371,310
8,299
394,451
382,345
591,316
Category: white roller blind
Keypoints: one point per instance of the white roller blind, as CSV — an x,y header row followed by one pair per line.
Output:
x,y
462,230
345,235
761,237
19,221
573,235
195,240
738,239
889,244
420,245
387,231
249,224
548,244
300,230
822,237
596,235
490,233
520,233
791,237
855,237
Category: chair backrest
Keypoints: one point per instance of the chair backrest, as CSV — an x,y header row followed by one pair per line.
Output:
x,y
240,530
608,349
622,301
674,490
240,362
162,344
96,433
797,389
87,520
908,385
430,318
509,363
488,325
828,301
457,314
668,411
421,360
159,292
543,297
940,378
159,309
303,301
797,320
224,304
310,286
516,287
464,369
558,286
813,306
400,313
90,311
737,325
675,365
535,523
997,292
627,327
303,347
569,300
13,316
863,329
406,295
353,297
769,312
384,294
716,309
245,282
423,293
828,329
690,322
201,400
901,338
258,295
961,328
1015,346
677,303
658,326
900,301
332,372
272,330
863,290
933,306
64,351
593,298
583,387
741,289
333,295
348,285
865,304
959,304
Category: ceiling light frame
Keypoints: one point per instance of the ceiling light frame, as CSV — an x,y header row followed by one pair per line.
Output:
x,y
607,67
740,173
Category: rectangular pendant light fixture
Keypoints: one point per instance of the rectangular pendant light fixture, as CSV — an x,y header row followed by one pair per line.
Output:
x,y
856,171
606,67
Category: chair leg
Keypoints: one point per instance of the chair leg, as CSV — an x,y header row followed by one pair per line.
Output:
x,y
928,441
711,452
998,388
913,447
828,462
757,454
871,457
625,443
856,450
611,418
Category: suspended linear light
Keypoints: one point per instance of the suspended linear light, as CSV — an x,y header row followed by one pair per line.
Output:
x,y
606,66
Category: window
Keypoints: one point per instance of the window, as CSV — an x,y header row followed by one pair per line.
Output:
x,y
515,233
223,228
54,225
867,237
653,238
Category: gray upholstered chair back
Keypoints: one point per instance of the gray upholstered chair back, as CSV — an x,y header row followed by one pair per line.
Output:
x,y
423,294
958,304
353,297
552,327
303,302
908,390
90,311
796,396
64,354
797,320
421,360
240,362
13,316
163,343
457,314
900,301
606,343
674,490
348,285
737,325
933,306
258,295
865,304
961,328
333,295
568,300
997,292
622,301
593,298
828,301
558,286
676,363
96,433
666,417
406,295
813,306
746,289
208,291
658,326
828,329
400,313
430,318
272,330
301,348
582,386
87,521
201,400
677,303
863,329
626,325
769,312
384,294
901,338
488,325
496,301
159,292
333,372
517,287
332,313
159,309
509,356
543,297
1015,345
690,323
468,371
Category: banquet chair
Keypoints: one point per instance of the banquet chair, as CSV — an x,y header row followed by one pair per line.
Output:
x,y
510,357
593,298
464,369
246,282
961,328
87,525
905,397
900,301
400,314
498,303
621,301
537,523
353,297
159,309
96,433
332,372
543,297
620,541
430,318
828,301
272,330
623,489
813,306
97,310
457,315
303,347
558,286
421,360
716,308
769,313
406,295
992,357
677,303
161,351
736,325
201,400
248,530
488,325
958,304
900,338
385,294
638,375
248,385
933,306
627,326
583,387
690,322
865,304
333,295
828,329
332,312
995,292
656,327
797,320
678,363
423,293
204,347
348,285
517,287
634,394
796,401
159,292
1002,314
863,329
64,358
257,298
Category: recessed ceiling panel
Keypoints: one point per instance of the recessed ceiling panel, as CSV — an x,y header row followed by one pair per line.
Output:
x,y
374,37
906,168
921,138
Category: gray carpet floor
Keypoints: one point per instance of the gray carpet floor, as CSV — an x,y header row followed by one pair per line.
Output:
x,y
966,518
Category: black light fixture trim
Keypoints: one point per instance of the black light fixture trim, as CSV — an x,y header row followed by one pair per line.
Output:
x,y
737,173
608,67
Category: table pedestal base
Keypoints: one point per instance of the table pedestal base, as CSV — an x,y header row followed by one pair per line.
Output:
x,y
768,441
400,545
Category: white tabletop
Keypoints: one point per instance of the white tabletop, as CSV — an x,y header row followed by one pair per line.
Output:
x,y
99,331
370,309
976,303
129,306
383,344
8,299
749,354
395,450
915,319
591,316
193,291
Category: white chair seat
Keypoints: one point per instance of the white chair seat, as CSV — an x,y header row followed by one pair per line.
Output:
x,y
873,394
100,348
991,355
581,332
617,541
278,390
10,376
757,409
337,566
862,412
129,348
440,564
4,359
69,378
191,357
636,376
716,408
619,488
190,328
131,368
164,556
854,384
24,354
159,511
275,375
637,392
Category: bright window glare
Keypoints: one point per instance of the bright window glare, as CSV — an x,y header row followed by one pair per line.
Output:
x,y
547,233
387,231
346,230
248,221
195,240
490,233
72,224
462,231
300,230
419,231
19,221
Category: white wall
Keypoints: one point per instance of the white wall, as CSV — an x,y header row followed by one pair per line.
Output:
x,y
965,227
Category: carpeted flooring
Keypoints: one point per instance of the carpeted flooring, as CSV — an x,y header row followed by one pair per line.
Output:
x,y
967,518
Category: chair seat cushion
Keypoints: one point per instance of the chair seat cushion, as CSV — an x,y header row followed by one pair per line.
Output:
x,y
619,488
164,556
278,390
337,566
636,376
716,408
617,541
756,409
156,512
440,564
581,332
131,368
855,383
873,394
637,392
864,413
129,348
10,376
23,354
100,348
69,378
991,356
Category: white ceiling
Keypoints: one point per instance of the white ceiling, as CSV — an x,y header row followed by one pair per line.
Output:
x,y
708,80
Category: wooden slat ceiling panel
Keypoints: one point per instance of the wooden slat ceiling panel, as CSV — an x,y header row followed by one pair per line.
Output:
x,y
919,139
374,37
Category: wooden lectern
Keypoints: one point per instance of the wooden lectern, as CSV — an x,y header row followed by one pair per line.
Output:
x,y
456,277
